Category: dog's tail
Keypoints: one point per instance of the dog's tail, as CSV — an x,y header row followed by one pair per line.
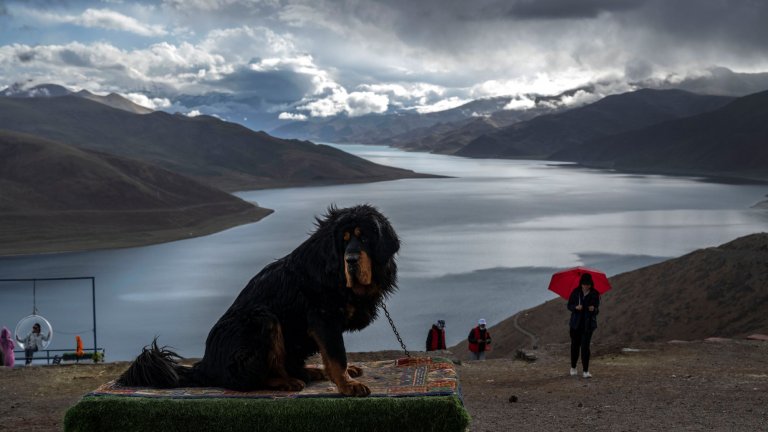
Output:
x,y
157,367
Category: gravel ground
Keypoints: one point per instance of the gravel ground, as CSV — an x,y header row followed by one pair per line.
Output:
x,y
686,386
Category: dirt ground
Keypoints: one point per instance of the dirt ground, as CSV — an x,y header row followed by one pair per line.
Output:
x,y
683,386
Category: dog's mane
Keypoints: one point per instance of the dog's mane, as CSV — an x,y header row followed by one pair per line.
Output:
x,y
326,237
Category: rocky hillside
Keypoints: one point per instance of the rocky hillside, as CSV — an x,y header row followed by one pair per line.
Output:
x,y
715,292
54,196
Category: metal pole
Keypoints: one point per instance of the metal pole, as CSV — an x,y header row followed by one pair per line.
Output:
x,y
93,303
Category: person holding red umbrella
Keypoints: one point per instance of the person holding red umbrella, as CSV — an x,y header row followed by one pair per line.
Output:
x,y
584,304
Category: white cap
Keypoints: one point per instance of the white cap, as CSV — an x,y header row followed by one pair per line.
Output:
x,y
481,321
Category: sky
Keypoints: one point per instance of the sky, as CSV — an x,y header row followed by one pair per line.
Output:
x,y
297,59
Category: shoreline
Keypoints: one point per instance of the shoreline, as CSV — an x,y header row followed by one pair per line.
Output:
x,y
701,176
92,238
42,233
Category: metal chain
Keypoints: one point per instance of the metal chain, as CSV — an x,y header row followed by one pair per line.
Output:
x,y
394,329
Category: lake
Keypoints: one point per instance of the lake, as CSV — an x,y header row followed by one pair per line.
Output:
x,y
481,244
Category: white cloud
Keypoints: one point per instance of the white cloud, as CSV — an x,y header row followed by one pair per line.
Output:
x,y
193,113
541,83
112,20
361,103
146,101
328,106
215,5
581,97
441,105
246,42
100,18
340,101
101,66
292,116
408,94
520,103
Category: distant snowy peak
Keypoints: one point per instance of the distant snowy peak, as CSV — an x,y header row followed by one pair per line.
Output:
x,y
22,90
114,100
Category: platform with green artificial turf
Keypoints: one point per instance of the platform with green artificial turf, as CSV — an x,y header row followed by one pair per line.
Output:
x,y
410,394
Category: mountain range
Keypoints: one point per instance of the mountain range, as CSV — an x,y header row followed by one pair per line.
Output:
x,y
401,127
226,155
730,141
393,126
544,135
259,112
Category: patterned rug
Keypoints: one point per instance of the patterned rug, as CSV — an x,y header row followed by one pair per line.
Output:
x,y
415,376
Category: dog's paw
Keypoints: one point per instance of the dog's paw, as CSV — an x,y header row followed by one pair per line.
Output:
x,y
286,384
293,384
354,388
354,371
315,374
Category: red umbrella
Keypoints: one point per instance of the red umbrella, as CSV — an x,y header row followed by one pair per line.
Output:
x,y
563,282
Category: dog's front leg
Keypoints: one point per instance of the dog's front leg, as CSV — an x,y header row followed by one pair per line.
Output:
x,y
331,344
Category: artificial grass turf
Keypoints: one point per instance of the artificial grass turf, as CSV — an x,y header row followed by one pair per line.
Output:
x,y
401,414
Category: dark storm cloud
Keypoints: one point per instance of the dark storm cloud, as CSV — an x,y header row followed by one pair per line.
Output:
x,y
73,58
732,22
25,57
276,86
637,69
564,9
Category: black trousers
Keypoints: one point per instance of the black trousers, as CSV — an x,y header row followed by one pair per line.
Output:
x,y
580,340
28,355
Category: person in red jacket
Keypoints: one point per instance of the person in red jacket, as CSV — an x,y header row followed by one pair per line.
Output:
x,y
436,336
479,340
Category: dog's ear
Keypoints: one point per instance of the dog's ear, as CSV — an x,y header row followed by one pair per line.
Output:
x,y
330,230
388,243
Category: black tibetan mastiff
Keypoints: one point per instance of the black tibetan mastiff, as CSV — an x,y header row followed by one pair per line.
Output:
x,y
296,306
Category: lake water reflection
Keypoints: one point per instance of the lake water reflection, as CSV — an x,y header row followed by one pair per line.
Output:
x,y
480,244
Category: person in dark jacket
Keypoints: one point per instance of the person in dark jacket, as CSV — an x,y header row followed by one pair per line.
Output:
x,y
436,336
479,340
584,304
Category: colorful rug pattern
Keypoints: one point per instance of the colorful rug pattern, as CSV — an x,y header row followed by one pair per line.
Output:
x,y
415,376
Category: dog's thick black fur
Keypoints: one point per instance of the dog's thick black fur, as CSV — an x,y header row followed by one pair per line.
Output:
x,y
295,307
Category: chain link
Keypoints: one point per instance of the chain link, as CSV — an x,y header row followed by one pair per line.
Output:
x,y
394,329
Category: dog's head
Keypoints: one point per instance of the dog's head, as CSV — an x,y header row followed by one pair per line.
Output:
x,y
365,245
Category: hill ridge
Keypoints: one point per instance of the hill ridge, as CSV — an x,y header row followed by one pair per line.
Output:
x,y
56,197
227,155
714,291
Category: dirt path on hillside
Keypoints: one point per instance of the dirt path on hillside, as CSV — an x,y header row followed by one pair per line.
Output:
x,y
696,386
